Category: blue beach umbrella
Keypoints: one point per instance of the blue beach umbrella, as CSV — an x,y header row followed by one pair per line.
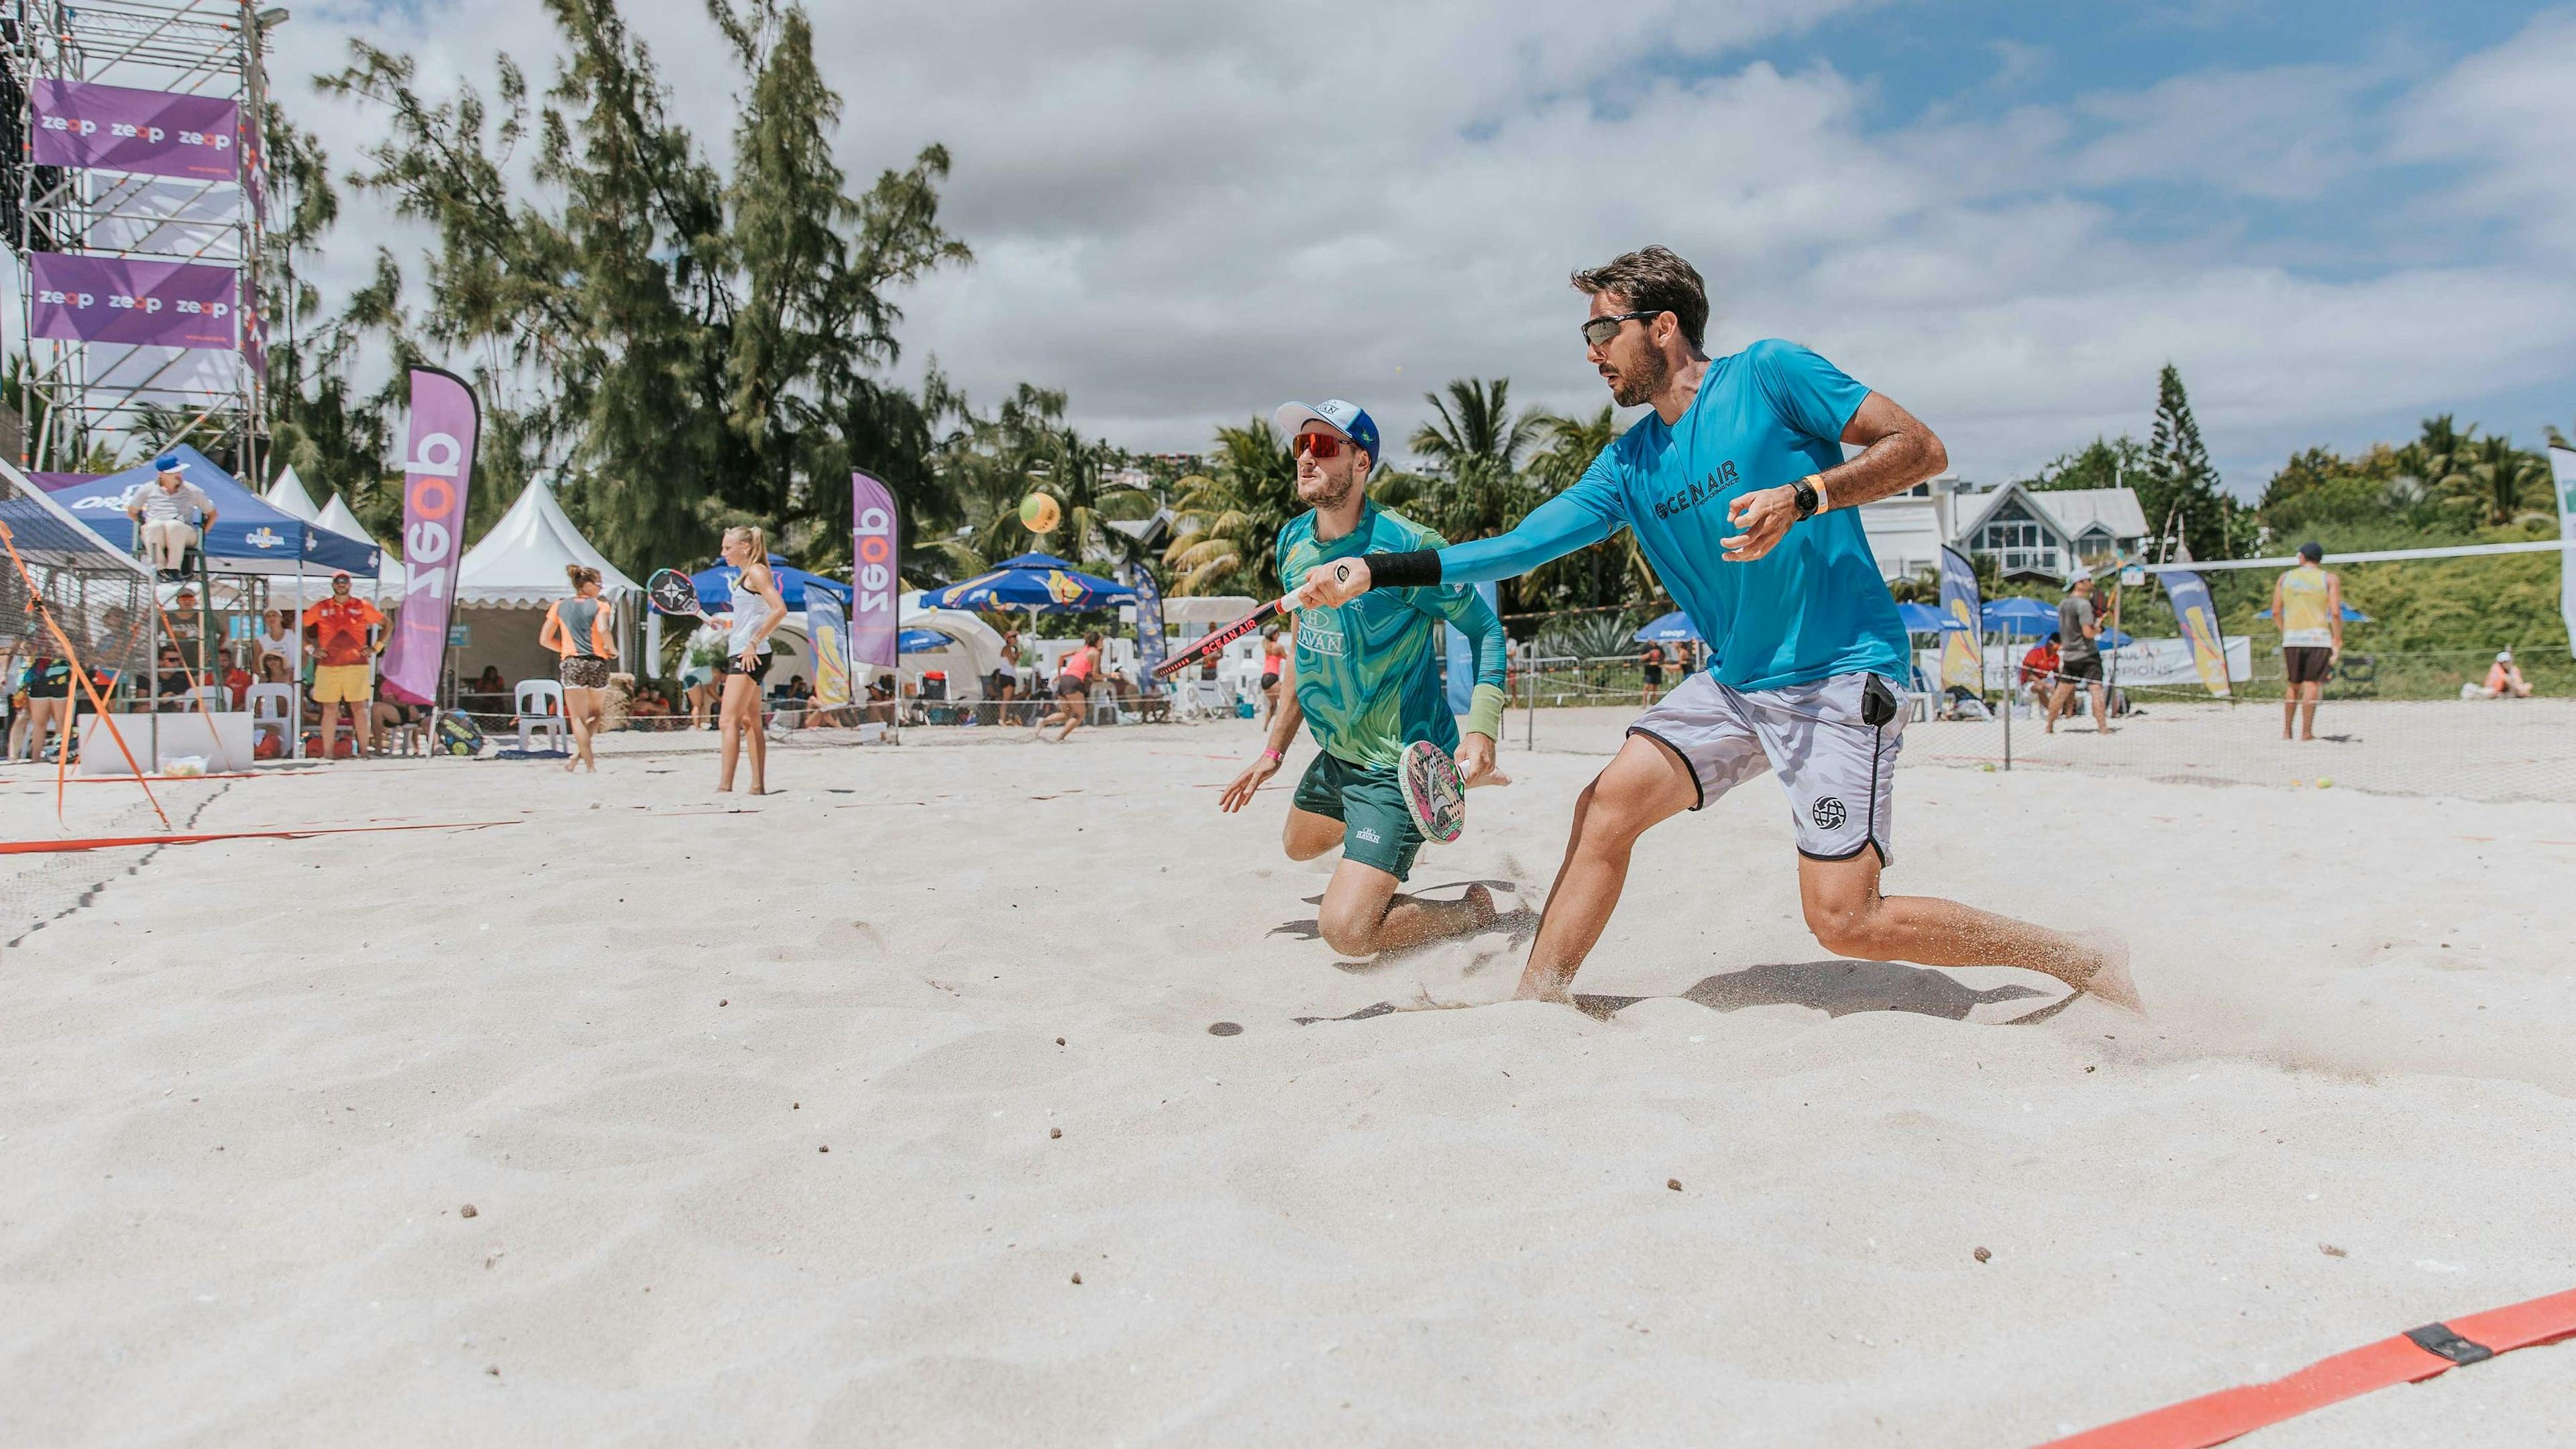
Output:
x,y
1036,581
920,641
2018,616
715,585
1922,619
1673,628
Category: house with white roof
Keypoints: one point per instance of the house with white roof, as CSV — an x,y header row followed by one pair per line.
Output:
x,y
2029,533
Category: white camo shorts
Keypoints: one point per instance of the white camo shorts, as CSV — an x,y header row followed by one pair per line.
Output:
x,y
1839,770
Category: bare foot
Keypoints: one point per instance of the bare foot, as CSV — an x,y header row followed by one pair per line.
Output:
x,y
2108,975
1481,901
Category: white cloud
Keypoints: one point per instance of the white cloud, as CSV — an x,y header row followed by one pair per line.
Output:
x,y
1185,212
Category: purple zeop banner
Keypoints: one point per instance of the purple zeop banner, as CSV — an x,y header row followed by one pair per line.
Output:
x,y
438,466
146,304
875,616
116,128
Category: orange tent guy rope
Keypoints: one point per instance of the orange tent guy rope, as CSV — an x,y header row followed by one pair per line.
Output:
x,y
2409,1357
71,712
196,678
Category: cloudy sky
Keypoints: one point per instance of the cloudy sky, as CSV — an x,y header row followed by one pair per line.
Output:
x,y
2334,217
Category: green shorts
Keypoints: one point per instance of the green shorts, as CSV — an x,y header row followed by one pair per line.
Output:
x,y
1377,830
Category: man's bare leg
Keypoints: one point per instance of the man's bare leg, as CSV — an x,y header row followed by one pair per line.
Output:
x,y
1850,918
2308,694
2101,710
2289,712
1643,786
1362,915
2057,704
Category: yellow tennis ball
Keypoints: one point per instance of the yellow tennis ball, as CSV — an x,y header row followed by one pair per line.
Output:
x,y
2324,784
1039,513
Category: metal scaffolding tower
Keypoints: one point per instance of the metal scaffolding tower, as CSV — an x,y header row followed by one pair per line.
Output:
x,y
81,399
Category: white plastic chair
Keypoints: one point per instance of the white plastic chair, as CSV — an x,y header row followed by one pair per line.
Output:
x,y
541,693
281,718
214,696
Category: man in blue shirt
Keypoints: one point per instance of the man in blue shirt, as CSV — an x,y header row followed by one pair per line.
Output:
x,y
1740,496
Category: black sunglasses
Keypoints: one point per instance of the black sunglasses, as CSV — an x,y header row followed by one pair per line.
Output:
x,y
1599,331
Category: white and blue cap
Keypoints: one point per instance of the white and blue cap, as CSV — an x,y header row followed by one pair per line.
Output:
x,y
166,463
1346,418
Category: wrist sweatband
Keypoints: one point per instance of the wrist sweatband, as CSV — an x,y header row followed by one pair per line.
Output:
x,y
1419,569
1273,756
1485,711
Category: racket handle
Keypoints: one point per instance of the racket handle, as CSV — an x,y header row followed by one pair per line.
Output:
x,y
1209,644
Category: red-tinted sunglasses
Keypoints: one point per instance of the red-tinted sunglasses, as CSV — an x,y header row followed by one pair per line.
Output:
x,y
1324,446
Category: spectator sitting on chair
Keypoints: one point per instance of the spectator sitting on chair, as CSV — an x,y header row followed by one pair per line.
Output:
x,y
166,513
174,681
273,642
344,668
2039,671
880,708
489,681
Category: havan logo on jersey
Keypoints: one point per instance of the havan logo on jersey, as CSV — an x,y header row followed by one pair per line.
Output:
x,y
1320,630
1683,500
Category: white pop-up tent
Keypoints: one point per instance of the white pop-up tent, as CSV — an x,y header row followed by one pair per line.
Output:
x,y
287,496
389,574
514,572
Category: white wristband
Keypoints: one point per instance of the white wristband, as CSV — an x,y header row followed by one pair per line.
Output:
x,y
1822,502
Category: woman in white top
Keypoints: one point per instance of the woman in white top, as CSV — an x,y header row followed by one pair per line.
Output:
x,y
272,642
757,610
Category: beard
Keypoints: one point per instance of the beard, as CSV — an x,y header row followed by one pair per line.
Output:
x,y
1327,493
1638,384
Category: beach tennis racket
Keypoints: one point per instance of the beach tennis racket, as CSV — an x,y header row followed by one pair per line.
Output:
x,y
1434,792
674,592
1207,644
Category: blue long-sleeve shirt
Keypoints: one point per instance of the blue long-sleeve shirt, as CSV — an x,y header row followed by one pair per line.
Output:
x,y
1813,607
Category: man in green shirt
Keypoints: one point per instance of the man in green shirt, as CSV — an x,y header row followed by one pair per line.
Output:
x,y
1365,677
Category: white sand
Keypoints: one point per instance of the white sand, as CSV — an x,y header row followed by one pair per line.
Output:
x,y
248,1087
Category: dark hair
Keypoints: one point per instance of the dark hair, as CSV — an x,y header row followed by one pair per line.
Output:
x,y
1653,280
2051,639
2312,551
1092,638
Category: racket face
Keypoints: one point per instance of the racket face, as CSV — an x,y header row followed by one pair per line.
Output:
x,y
1434,792
673,592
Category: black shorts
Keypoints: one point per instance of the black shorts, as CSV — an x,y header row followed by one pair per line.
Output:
x,y
1270,681
1069,686
732,664
2307,664
1654,675
2080,671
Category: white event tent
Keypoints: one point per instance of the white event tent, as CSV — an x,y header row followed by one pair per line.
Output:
x,y
517,568
287,496
389,574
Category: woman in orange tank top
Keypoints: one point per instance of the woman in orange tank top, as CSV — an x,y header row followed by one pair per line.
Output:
x,y
1073,687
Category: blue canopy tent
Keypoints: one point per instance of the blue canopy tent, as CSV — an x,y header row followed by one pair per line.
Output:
x,y
1039,582
715,585
1923,619
250,535
1673,628
2351,615
2027,617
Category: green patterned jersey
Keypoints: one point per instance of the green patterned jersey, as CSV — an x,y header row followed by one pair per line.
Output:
x,y
1368,672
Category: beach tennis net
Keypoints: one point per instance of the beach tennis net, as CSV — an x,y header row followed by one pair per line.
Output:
x,y
2393,724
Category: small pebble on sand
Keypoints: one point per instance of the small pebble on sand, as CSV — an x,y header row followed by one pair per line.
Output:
x,y
725,1003
1983,1255
2331,1251
1077,1280
466,1211
1224,1028
1059,1041
493,1369
1054,1133
1674,1183
822,1149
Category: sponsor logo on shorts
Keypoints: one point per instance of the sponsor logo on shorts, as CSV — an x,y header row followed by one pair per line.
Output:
x,y
1369,835
1828,813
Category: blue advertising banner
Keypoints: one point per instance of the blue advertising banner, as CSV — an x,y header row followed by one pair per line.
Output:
x,y
2198,616
1963,651
1462,656
1150,645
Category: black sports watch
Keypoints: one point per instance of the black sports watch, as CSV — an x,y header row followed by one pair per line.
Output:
x,y
1804,490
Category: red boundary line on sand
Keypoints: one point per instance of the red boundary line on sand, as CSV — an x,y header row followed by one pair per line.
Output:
x,y
50,847
2410,1357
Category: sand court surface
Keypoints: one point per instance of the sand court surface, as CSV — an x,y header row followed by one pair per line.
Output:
x,y
795,1119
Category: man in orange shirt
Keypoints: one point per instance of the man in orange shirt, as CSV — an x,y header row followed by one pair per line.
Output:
x,y
344,670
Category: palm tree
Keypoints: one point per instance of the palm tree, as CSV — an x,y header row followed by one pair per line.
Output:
x,y
1615,572
2440,451
1474,444
2497,479
991,463
1226,525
